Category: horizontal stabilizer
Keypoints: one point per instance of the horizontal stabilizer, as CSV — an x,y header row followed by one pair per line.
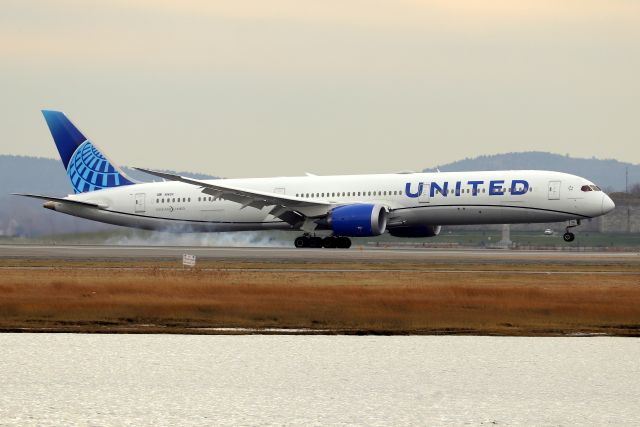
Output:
x,y
58,200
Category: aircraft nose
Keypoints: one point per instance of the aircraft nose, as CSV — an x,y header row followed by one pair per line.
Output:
x,y
607,204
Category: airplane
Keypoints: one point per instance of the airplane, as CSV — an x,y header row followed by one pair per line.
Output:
x,y
326,210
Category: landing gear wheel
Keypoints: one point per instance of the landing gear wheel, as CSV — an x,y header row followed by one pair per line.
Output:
x,y
307,241
343,242
329,242
301,242
569,236
315,242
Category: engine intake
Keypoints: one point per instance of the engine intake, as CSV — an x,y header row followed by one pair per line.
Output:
x,y
359,220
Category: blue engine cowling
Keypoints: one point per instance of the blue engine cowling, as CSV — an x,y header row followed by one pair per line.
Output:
x,y
359,220
415,231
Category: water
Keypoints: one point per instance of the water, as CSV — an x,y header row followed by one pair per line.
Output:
x,y
54,379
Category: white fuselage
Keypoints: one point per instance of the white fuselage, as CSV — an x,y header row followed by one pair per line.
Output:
x,y
451,198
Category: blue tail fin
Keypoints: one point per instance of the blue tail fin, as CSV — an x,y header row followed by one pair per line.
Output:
x,y
87,168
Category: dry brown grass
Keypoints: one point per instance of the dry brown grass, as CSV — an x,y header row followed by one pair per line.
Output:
x,y
382,302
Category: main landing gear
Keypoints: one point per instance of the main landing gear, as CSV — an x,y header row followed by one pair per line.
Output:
x,y
307,241
569,236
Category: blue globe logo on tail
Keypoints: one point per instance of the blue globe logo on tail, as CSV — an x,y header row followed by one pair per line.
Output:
x,y
89,170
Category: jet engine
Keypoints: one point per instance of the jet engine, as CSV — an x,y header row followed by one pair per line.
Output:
x,y
358,220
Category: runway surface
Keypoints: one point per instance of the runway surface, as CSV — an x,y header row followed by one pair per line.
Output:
x,y
278,254
343,270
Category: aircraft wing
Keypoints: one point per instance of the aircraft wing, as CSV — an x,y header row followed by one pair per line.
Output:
x,y
293,210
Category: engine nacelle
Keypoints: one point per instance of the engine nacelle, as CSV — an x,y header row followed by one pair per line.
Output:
x,y
416,231
359,220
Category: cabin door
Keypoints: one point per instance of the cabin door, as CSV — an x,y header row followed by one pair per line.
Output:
x,y
139,202
554,190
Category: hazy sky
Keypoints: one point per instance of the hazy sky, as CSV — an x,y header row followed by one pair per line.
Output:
x,y
265,88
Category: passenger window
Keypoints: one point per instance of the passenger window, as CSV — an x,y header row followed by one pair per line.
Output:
x,y
157,200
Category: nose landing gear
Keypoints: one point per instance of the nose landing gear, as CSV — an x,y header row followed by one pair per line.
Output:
x,y
569,236
307,241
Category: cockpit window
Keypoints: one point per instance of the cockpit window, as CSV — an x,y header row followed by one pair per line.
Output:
x,y
586,188
595,188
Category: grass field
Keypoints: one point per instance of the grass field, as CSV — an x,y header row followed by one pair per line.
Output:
x,y
153,296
